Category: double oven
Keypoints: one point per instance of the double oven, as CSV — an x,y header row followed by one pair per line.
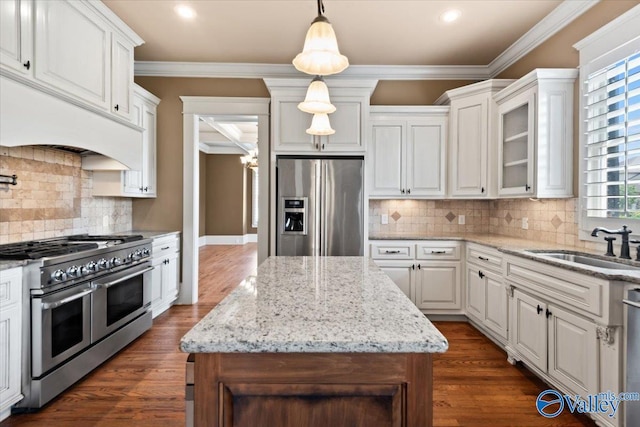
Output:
x,y
85,298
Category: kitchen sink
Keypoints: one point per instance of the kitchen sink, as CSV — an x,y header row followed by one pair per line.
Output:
x,y
586,259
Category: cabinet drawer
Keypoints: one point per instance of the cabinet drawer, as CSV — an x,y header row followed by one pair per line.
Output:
x,y
165,245
392,251
10,287
438,250
484,257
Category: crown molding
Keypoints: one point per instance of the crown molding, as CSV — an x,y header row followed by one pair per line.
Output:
x,y
559,18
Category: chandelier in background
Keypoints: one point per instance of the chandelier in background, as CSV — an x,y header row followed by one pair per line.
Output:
x,y
250,160
320,56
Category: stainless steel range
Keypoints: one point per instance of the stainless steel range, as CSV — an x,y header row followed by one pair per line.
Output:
x,y
85,298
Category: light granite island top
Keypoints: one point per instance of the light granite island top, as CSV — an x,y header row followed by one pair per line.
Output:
x,y
315,305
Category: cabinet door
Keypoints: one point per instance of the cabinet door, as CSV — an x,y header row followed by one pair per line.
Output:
x,y
529,329
10,355
401,274
157,286
496,303
72,51
121,77
426,158
516,132
573,351
149,150
475,292
170,279
132,180
16,35
438,286
387,159
469,146
290,127
346,121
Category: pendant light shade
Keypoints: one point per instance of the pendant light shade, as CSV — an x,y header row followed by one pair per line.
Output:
x,y
320,125
320,55
317,99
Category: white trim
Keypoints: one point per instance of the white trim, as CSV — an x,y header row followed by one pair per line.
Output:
x,y
208,149
556,20
228,240
299,85
559,18
280,71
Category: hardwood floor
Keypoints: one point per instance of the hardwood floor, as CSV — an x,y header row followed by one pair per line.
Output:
x,y
144,384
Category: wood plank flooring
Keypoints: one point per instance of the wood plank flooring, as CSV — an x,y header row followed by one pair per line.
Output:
x,y
144,384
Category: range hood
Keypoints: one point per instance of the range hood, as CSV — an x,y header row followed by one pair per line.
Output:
x,y
32,117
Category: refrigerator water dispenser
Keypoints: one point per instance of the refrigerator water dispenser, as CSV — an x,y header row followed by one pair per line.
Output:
x,y
294,214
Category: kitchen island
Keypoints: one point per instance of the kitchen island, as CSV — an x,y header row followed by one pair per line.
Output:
x,y
314,341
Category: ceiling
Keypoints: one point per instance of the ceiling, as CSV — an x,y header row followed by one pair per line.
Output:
x,y
228,134
369,32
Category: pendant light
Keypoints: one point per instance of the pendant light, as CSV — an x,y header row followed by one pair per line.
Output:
x,y
320,55
320,125
250,161
317,99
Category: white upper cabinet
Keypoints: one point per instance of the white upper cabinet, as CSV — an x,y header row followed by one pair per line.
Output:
x,y
289,124
72,51
472,148
79,51
407,152
535,135
16,35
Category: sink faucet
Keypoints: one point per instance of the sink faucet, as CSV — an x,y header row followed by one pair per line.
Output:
x,y
624,232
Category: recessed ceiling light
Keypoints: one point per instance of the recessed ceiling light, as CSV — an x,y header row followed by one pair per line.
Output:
x,y
185,11
450,15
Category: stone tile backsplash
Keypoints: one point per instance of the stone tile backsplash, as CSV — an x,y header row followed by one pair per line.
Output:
x,y
53,197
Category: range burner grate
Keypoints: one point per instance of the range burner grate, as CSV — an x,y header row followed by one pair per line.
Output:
x,y
37,249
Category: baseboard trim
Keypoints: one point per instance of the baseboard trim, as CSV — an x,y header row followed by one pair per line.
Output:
x,y
228,240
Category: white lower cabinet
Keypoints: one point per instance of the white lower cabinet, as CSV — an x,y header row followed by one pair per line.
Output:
x,y
10,339
429,273
165,277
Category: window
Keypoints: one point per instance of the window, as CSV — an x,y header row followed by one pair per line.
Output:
x,y
613,140
610,126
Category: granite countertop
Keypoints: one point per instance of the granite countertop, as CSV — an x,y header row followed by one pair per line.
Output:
x,y
315,305
6,265
527,249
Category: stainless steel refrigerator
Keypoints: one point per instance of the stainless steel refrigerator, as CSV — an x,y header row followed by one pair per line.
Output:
x,y
320,206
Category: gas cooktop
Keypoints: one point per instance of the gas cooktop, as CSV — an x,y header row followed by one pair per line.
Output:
x,y
37,249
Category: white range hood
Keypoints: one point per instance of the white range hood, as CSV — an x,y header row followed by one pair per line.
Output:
x,y
31,117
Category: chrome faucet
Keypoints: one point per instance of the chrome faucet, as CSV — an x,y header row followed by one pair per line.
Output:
x,y
624,232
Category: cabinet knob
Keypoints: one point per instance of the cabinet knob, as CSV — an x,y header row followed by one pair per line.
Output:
x,y
527,187
317,146
408,191
418,266
117,107
323,146
146,188
540,309
402,190
141,189
548,313
482,190
27,65
413,266
481,274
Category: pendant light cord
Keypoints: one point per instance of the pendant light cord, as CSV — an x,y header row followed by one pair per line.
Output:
x,y
320,8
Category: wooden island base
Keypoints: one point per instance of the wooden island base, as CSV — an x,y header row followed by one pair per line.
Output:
x,y
313,390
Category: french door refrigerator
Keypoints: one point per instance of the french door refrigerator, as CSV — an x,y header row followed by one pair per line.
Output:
x,y
320,206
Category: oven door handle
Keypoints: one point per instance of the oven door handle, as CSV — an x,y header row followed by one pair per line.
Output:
x,y
54,304
631,303
122,279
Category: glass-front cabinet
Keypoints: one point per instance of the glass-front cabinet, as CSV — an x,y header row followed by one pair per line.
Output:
x,y
516,136
535,135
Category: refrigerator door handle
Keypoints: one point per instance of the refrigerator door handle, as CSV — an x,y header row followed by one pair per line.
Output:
x,y
317,243
325,226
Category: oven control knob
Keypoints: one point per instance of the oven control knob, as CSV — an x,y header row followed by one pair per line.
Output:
x,y
58,276
103,264
145,252
73,271
116,261
91,267
82,271
137,254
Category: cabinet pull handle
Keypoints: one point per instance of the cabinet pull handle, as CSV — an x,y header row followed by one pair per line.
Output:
x,y
418,266
483,258
27,65
323,146
527,187
117,107
413,267
408,191
146,188
140,189
438,252
317,146
165,248
548,313
402,191
391,252
482,190
540,309
480,274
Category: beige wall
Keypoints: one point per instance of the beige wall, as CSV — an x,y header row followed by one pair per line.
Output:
x,y
53,197
413,92
203,194
165,211
225,215
248,202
